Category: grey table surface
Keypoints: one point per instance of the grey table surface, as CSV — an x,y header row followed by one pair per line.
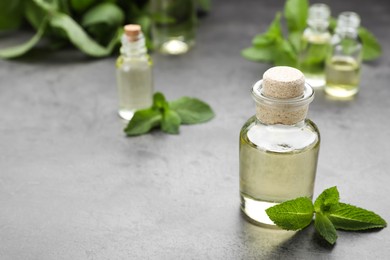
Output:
x,y
72,186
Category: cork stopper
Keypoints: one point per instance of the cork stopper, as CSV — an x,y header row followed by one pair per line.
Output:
x,y
283,82
132,31
282,96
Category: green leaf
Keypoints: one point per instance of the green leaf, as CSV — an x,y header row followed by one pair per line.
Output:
x,y
205,5
292,214
275,29
262,40
170,122
104,13
264,48
350,217
19,50
326,200
325,228
143,121
296,12
48,6
34,14
192,110
371,47
265,54
11,14
295,39
284,54
159,101
81,5
79,37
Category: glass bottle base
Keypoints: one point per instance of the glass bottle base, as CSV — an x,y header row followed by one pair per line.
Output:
x,y
126,114
255,210
175,46
341,92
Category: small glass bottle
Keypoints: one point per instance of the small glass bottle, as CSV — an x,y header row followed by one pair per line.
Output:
x,y
344,61
315,44
173,25
278,146
133,73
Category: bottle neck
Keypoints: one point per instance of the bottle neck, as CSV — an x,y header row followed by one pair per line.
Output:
x,y
284,111
347,32
318,26
133,48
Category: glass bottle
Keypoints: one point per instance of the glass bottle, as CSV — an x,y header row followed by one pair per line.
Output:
x,y
173,25
133,73
344,61
315,44
278,146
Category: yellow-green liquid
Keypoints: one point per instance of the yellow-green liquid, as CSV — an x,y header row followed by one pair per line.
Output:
x,y
268,178
342,77
135,86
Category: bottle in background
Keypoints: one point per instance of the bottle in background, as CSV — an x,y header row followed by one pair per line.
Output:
x,y
315,44
173,25
344,61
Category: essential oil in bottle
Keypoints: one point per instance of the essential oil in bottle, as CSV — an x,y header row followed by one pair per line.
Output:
x,y
278,146
133,73
344,61
315,45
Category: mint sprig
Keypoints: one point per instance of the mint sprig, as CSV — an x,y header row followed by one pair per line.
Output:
x,y
330,214
168,115
273,47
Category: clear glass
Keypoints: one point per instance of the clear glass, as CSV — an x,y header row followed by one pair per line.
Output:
x,y
173,25
343,64
134,78
315,45
278,162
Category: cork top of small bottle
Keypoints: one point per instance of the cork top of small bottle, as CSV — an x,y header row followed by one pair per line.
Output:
x,y
132,31
282,96
283,82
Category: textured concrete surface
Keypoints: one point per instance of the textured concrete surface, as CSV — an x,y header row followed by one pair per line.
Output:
x,y
72,186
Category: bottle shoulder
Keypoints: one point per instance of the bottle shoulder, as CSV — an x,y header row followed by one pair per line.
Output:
x,y
134,62
316,36
280,138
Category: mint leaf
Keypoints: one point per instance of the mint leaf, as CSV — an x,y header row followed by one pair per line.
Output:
x,y
264,48
325,228
275,29
265,54
292,214
295,39
159,101
81,5
326,200
348,217
103,13
284,54
296,12
79,37
143,121
371,46
21,49
192,110
11,14
170,122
